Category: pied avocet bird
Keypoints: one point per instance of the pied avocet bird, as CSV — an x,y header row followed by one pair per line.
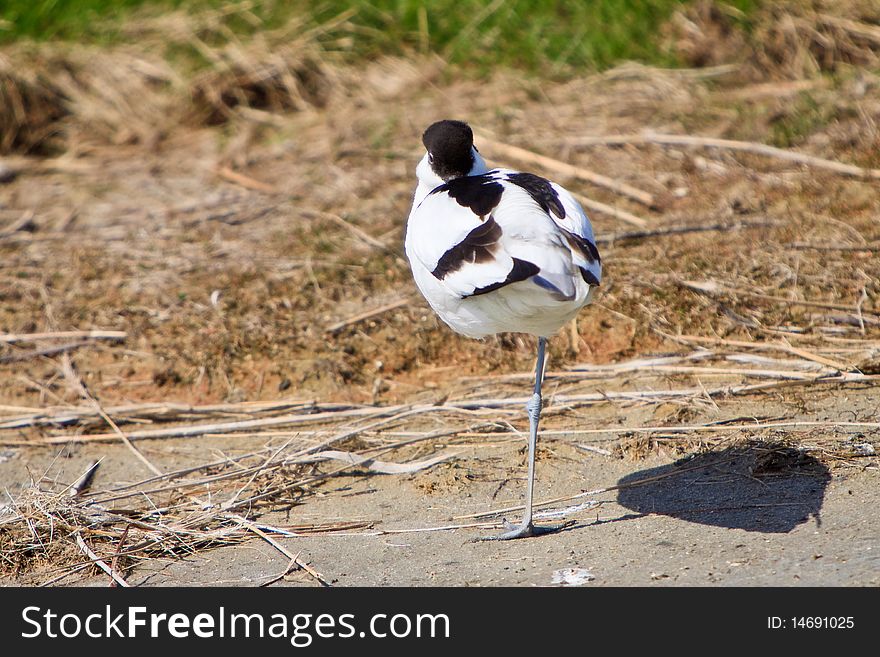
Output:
x,y
495,250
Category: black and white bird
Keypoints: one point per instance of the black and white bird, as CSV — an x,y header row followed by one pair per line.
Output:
x,y
496,250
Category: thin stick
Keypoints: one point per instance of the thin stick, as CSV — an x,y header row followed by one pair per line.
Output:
x,y
366,237
611,373
318,477
611,211
18,409
655,396
290,566
597,450
79,384
827,247
68,573
86,550
143,459
165,411
730,144
201,429
24,222
271,458
761,346
245,181
712,288
265,467
565,169
710,428
574,336
419,530
811,304
45,351
37,165
82,484
816,358
283,550
678,230
442,528
115,561
335,328
178,473
96,334
769,89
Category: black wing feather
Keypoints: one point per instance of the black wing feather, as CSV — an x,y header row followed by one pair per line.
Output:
x,y
522,269
479,245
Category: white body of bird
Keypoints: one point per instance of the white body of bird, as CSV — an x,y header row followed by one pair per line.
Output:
x,y
496,250
538,304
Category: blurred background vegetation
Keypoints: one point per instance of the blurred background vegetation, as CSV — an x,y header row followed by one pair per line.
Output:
x,y
541,37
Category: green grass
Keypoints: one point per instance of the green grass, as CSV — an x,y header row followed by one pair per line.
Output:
x,y
550,37
45,20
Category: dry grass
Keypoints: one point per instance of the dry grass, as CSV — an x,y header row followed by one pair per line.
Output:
x,y
245,81
789,40
58,95
32,107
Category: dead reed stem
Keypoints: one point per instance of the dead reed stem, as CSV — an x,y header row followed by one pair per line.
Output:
x,y
565,169
729,144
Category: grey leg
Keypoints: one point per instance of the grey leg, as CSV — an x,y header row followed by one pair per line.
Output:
x,y
533,407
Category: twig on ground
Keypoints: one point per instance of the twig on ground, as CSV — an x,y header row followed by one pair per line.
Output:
x,y
161,411
291,566
713,288
82,484
370,464
358,232
245,181
565,169
730,144
611,211
24,223
114,563
679,230
442,528
266,466
760,346
86,550
283,550
96,334
478,404
45,351
698,428
79,385
775,89
833,247
67,573
338,326
189,431
591,448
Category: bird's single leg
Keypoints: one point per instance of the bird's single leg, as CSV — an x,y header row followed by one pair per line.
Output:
x,y
533,407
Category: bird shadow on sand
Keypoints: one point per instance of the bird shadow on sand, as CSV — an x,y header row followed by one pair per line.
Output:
x,y
758,486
